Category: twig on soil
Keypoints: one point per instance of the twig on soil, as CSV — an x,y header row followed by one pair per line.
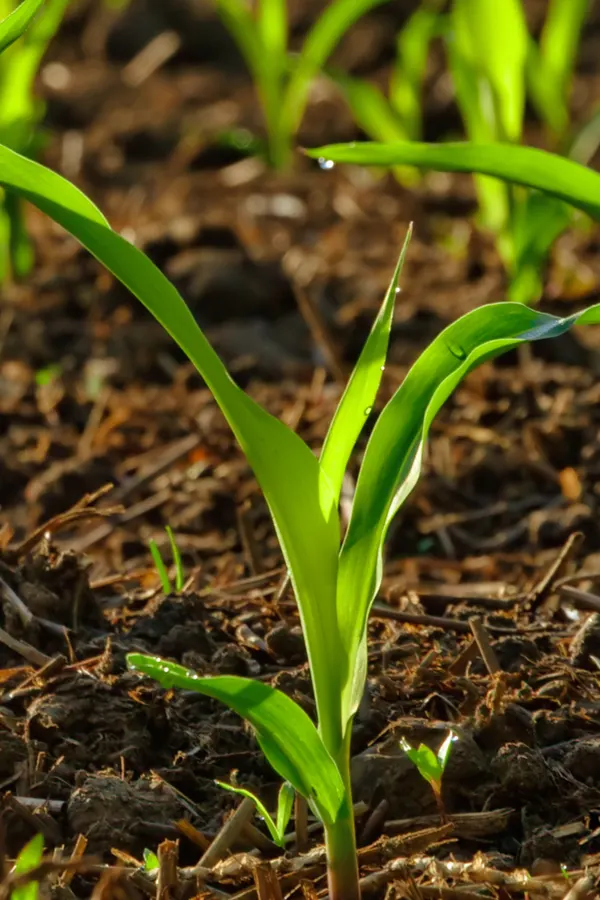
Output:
x,y
37,821
47,867
152,57
54,665
318,329
168,878
33,656
267,883
228,833
544,586
578,598
583,889
486,650
78,850
466,825
374,824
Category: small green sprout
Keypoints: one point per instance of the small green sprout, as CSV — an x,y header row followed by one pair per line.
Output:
x,y
161,568
431,766
285,803
29,858
150,860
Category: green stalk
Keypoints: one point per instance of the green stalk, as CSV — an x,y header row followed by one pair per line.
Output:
x,y
340,838
342,862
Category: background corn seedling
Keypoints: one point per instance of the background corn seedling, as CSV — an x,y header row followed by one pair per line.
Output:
x,y
20,117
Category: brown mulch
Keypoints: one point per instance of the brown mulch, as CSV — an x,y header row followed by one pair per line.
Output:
x,y
489,615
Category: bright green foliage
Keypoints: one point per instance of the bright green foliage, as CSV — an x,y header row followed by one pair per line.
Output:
x,y
283,80
431,766
161,568
20,110
285,803
335,583
29,858
550,63
150,860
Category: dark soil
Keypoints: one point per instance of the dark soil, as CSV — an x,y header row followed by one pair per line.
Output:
x,y
504,525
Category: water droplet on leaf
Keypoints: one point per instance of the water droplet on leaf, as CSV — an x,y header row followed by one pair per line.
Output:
x,y
326,163
368,410
456,350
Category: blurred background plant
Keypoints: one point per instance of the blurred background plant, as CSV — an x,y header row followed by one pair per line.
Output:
x,y
21,113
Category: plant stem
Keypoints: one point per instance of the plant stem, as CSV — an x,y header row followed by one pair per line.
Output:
x,y
342,862
340,838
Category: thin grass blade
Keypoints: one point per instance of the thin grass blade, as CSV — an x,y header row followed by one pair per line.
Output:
x,y
410,65
302,504
178,562
287,737
285,805
394,454
160,567
358,398
15,24
261,808
548,172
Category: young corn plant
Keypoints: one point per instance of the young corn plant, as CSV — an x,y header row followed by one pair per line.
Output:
x,y
431,766
20,116
283,80
335,579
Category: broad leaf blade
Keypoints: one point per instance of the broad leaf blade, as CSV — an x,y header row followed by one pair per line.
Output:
x,y
361,390
300,499
15,24
425,760
393,458
287,737
559,177
285,804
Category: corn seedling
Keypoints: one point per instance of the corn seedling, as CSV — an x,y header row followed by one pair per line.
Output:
x,y
283,80
285,804
431,766
161,568
20,114
335,580
28,859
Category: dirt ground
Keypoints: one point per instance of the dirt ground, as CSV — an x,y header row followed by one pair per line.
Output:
x,y
284,272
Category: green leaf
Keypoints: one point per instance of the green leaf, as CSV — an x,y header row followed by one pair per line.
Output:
x,y
426,762
287,737
284,808
29,858
179,572
360,393
285,804
550,65
262,810
150,860
559,177
492,36
443,754
410,65
300,498
394,454
15,24
160,566
537,222
370,109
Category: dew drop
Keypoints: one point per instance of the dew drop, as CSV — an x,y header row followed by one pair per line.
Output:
x,y
398,290
326,163
383,368
368,410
